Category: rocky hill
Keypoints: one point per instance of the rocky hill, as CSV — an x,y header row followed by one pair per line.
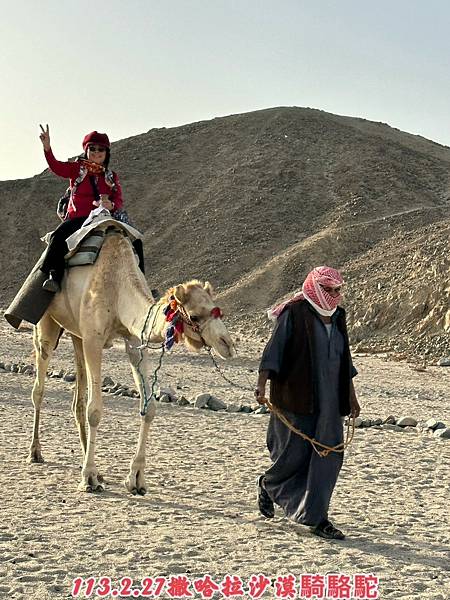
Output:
x,y
253,201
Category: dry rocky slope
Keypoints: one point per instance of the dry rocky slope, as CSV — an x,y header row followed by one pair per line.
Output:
x,y
253,201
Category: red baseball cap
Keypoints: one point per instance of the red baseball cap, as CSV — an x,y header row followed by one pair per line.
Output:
x,y
96,138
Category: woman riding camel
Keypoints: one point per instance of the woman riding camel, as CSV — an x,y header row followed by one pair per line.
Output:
x,y
91,184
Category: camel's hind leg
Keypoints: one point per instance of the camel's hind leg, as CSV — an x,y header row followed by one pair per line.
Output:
x,y
45,337
92,348
135,482
79,395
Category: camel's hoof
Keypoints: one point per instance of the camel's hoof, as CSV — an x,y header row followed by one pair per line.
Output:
x,y
35,458
90,489
138,491
91,486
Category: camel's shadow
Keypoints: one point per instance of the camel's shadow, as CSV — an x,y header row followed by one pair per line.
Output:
x,y
242,515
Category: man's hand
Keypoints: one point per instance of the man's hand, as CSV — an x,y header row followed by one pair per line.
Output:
x,y
260,394
355,409
260,390
45,137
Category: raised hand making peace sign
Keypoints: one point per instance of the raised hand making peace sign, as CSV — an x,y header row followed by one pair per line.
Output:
x,y
45,137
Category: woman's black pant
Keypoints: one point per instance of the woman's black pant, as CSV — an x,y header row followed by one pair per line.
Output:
x,y
57,248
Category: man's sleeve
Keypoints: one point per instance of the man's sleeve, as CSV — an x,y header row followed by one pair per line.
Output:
x,y
272,357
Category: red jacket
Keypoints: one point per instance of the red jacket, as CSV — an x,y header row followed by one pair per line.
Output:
x,y
84,195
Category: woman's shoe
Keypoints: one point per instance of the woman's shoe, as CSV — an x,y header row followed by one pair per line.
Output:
x,y
50,284
265,503
327,530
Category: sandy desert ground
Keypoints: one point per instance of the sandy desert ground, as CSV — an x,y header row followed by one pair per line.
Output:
x,y
199,516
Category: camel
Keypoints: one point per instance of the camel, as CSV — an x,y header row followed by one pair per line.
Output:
x,y
97,304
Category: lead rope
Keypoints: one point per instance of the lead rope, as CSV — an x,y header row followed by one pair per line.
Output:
x,y
216,365
208,349
339,448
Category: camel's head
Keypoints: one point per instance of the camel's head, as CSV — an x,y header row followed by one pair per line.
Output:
x,y
202,318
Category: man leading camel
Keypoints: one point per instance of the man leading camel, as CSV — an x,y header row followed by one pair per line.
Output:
x,y
310,369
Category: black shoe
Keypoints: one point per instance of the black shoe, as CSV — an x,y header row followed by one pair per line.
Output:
x,y
265,503
327,530
50,284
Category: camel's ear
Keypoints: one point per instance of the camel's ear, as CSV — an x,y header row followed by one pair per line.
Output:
x,y
180,293
209,288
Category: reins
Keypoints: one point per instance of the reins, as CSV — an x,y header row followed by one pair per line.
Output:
x,y
215,313
144,345
145,337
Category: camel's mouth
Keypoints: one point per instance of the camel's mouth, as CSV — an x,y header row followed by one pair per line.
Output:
x,y
224,347
216,335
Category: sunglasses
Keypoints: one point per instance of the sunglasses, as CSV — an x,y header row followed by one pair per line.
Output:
x,y
331,289
97,148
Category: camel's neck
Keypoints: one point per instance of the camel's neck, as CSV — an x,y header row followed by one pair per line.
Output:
x,y
141,316
155,324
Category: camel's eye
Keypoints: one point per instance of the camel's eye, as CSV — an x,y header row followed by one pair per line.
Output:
x,y
195,319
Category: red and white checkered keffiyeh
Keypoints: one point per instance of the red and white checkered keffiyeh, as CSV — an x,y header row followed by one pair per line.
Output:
x,y
312,291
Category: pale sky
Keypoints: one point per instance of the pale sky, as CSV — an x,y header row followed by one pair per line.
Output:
x,y
126,66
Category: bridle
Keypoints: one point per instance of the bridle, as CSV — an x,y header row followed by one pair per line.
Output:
x,y
177,316
180,311
215,313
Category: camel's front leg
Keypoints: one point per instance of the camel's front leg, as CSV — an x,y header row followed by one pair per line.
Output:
x,y
93,357
45,336
135,482
79,395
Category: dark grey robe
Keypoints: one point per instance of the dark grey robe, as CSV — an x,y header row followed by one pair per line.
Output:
x,y
300,481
